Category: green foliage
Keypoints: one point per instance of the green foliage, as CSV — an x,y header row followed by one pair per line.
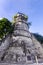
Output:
x,y
5,27
38,37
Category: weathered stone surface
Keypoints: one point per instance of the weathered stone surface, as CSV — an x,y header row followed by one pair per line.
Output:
x,y
21,46
20,64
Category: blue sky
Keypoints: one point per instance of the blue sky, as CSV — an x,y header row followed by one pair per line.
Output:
x,y
32,8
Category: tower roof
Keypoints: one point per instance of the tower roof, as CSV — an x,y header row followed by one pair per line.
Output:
x,y
25,17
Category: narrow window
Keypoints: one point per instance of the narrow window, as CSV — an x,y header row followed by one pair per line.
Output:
x,y
28,58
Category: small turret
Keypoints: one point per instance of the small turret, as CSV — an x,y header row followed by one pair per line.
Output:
x,y
21,25
20,17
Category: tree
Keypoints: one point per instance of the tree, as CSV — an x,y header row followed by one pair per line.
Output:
x,y
38,37
5,27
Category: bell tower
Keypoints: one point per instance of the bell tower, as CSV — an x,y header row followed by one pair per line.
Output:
x,y
21,25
